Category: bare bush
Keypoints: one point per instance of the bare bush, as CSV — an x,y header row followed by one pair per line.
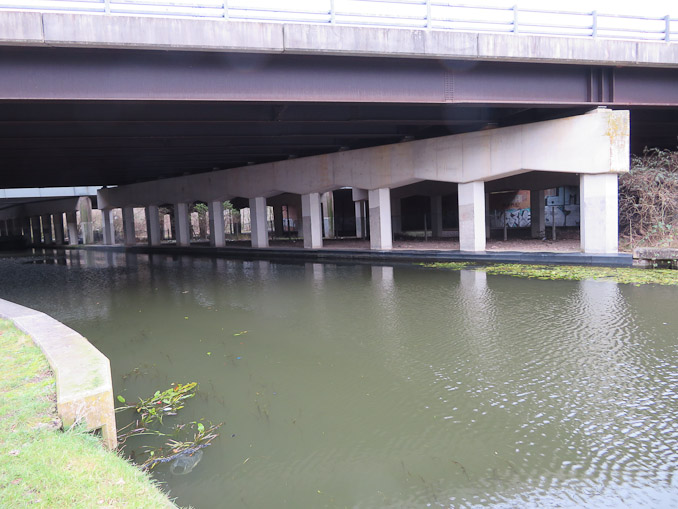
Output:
x,y
648,199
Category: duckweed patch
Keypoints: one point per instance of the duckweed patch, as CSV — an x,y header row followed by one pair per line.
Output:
x,y
572,272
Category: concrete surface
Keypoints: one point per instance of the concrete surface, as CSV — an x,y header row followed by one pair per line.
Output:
x,y
83,374
162,33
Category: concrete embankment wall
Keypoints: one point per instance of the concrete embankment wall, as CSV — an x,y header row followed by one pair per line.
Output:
x,y
83,373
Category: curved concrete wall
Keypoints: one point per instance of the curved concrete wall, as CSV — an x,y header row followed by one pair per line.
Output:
x,y
83,373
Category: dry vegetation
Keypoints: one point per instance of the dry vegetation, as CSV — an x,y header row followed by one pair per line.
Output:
x,y
648,200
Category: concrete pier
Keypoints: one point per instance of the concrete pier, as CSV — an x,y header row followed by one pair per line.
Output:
x,y
311,216
381,237
107,224
128,226
537,218
59,229
153,231
599,213
182,226
72,226
216,218
472,216
258,222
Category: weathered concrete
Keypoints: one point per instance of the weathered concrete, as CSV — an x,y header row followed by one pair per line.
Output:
x,y
311,216
360,224
599,226
159,33
538,226
58,228
182,225
128,226
153,225
216,218
107,224
258,222
72,226
472,216
597,142
47,228
381,237
83,374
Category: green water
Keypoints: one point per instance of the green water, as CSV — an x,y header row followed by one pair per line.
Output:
x,y
386,386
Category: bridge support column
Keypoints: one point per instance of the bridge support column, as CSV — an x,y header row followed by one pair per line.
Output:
x,y
128,226
381,236
278,221
472,216
437,216
107,223
396,215
311,217
153,231
47,228
85,207
216,215
36,230
59,228
26,228
182,225
538,226
360,226
599,213
72,226
258,222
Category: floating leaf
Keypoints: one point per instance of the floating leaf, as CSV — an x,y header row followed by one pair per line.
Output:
x,y
121,399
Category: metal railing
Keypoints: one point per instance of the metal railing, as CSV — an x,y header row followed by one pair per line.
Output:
x,y
422,14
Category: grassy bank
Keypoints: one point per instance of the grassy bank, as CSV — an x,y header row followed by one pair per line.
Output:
x,y
571,272
44,467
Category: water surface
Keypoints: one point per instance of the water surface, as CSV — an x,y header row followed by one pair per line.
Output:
x,y
385,386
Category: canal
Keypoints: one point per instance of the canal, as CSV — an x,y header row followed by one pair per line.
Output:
x,y
384,386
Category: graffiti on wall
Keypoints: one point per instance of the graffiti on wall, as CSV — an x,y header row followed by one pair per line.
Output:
x,y
564,215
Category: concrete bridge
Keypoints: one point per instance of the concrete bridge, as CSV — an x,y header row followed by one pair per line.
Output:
x,y
174,111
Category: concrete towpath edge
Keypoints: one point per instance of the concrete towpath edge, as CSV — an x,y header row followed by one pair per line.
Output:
x,y
83,374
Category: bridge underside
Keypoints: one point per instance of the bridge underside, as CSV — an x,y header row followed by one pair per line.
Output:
x,y
72,116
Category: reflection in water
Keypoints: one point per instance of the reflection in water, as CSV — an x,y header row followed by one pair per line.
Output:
x,y
378,386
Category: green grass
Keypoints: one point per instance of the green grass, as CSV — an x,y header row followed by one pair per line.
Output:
x,y
41,466
572,272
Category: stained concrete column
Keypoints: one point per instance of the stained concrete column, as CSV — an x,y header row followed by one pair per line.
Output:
x,y
47,228
153,232
278,221
182,225
36,230
59,228
72,226
311,217
258,222
85,207
107,222
381,236
360,225
216,215
128,226
538,226
396,215
599,230
437,216
472,216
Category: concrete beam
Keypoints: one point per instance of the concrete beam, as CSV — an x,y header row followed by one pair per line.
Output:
x,y
599,226
381,236
311,217
164,33
597,142
472,216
